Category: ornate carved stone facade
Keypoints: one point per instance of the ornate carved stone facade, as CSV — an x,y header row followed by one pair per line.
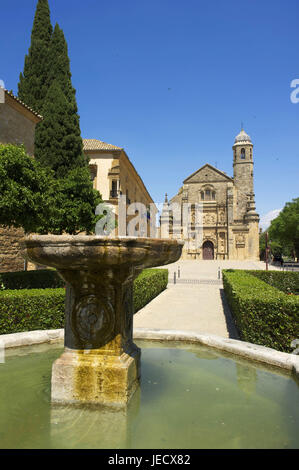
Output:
x,y
230,225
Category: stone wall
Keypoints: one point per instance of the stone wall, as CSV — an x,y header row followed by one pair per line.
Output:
x,y
10,251
17,124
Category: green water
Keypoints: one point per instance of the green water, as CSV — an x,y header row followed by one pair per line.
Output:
x,y
190,397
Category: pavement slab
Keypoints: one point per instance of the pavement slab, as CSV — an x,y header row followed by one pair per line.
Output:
x,y
194,307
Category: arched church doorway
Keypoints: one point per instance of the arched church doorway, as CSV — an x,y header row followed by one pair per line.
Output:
x,y
208,250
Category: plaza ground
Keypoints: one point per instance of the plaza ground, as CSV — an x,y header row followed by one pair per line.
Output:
x,y
196,302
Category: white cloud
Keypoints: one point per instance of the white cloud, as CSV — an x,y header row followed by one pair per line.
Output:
x,y
266,218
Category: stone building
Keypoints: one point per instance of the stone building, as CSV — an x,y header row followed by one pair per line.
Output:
x,y
17,126
17,122
230,224
113,174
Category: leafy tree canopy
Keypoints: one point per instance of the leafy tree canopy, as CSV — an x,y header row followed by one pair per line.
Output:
x,y
32,198
276,247
285,228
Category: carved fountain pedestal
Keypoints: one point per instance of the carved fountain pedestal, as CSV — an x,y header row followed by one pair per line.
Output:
x,y
100,364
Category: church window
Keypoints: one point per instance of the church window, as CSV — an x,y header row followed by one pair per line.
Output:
x,y
208,195
243,154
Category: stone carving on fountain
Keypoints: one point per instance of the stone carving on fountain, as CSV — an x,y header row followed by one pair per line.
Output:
x,y
91,316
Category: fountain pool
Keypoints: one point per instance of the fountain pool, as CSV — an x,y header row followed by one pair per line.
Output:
x,y
191,396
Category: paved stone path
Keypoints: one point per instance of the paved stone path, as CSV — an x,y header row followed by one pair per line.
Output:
x,y
198,307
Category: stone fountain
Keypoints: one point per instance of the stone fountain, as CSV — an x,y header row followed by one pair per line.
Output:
x,y
100,363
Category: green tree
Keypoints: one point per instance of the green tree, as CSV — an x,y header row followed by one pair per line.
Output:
x,y
275,246
285,228
46,86
58,142
24,183
75,204
60,66
262,240
32,197
33,84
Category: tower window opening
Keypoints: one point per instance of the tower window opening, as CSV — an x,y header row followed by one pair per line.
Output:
x,y
243,154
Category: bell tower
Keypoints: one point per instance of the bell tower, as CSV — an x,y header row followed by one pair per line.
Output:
x,y
243,163
243,182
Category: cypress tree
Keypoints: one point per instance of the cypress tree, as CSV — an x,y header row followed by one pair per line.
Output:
x,y
33,84
58,142
60,65
60,73
46,86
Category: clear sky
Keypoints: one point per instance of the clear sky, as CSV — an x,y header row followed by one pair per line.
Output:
x,y
172,80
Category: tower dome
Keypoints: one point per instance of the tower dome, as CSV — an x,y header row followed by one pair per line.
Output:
x,y
242,137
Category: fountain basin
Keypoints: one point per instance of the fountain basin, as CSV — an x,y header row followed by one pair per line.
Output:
x,y
191,397
91,252
101,363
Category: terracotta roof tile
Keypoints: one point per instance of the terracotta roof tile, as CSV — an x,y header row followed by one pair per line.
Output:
x,y
9,93
95,144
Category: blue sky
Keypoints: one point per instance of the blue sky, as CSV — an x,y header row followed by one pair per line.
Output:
x,y
172,80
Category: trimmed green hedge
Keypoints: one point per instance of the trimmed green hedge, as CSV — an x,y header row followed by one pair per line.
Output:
x,y
43,309
263,314
40,279
149,284
286,281
34,309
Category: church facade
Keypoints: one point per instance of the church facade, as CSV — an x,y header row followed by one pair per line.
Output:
x,y
229,222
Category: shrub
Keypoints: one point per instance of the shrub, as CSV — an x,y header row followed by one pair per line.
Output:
x,y
41,279
285,281
149,284
263,314
34,309
43,309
